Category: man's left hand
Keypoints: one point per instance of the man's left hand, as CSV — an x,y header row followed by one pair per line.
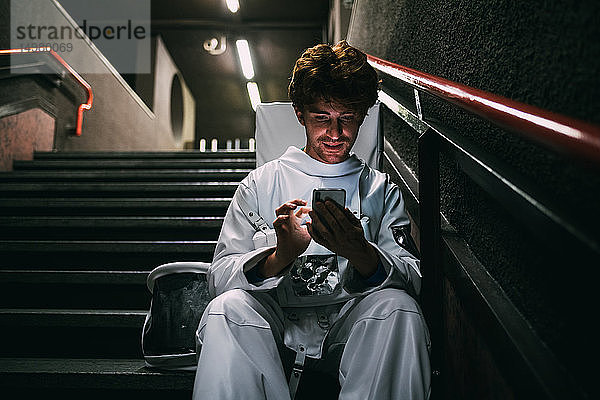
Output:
x,y
341,232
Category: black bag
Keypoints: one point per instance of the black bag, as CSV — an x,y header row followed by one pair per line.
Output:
x,y
179,297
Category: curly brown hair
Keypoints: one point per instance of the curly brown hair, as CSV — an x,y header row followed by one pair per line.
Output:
x,y
337,73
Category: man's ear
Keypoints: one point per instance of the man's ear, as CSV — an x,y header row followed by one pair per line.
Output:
x,y
299,115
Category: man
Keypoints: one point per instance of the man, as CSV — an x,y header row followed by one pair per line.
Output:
x,y
334,286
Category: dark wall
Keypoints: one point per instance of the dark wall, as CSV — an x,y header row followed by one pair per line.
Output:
x,y
543,53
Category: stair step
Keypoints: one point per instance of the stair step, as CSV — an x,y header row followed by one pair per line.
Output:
x,y
74,277
93,375
96,254
201,163
118,189
200,206
77,289
74,289
129,263
72,318
102,227
180,175
112,222
129,246
145,155
71,333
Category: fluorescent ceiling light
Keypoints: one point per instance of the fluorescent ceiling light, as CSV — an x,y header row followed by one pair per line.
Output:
x,y
253,94
245,60
233,5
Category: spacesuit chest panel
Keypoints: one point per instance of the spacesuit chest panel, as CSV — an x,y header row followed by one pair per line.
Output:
x,y
315,275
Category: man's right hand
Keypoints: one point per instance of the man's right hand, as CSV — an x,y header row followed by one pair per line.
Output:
x,y
292,238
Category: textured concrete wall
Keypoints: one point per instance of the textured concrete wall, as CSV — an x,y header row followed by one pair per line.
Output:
x,y
538,52
24,133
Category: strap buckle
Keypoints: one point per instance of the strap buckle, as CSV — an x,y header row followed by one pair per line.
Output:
x,y
297,370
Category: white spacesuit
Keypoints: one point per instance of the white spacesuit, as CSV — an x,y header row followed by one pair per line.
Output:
x,y
320,307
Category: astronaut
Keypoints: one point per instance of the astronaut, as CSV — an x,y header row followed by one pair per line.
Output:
x,y
328,281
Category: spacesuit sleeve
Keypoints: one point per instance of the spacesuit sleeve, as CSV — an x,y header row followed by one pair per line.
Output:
x,y
235,251
402,267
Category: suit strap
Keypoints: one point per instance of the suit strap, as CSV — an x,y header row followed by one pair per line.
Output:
x,y
297,370
254,218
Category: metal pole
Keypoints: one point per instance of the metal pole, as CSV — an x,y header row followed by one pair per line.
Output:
x,y
429,214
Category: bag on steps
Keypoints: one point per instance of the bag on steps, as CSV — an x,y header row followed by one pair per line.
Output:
x,y
179,297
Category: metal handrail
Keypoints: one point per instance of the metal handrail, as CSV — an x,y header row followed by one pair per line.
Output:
x,y
559,132
521,355
84,106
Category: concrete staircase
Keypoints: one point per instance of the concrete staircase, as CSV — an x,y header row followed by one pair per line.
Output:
x,y
79,232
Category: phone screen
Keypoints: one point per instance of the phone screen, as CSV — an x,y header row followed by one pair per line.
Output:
x,y
337,195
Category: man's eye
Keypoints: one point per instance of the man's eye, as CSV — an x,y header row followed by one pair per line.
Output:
x,y
347,118
321,117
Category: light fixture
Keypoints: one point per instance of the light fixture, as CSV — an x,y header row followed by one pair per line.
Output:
x,y
245,60
215,46
233,5
253,94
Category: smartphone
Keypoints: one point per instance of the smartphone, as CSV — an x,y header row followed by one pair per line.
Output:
x,y
334,194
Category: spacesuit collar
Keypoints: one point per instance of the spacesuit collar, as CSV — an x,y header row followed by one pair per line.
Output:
x,y
299,160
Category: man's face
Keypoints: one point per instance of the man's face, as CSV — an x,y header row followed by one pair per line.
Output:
x,y
331,130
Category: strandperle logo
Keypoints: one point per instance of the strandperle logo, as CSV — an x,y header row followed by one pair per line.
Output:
x,y
86,33
127,31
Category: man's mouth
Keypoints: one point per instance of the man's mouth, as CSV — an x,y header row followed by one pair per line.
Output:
x,y
333,145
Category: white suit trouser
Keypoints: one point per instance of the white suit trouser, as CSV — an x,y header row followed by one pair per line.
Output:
x,y
383,341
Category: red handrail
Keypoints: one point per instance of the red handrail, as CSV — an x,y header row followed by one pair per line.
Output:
x,y
550,129
82,82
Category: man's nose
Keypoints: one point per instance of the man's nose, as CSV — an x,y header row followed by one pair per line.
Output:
x,y
335,129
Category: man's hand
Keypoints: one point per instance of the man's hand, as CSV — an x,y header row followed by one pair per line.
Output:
x,y
292,238
341,232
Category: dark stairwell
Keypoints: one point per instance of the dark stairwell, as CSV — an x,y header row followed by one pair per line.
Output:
x,y
79,233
